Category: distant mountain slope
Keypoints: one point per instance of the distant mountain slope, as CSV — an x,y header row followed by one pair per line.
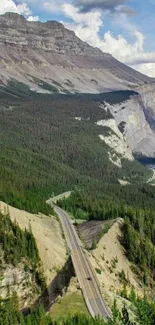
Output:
x,y
49,58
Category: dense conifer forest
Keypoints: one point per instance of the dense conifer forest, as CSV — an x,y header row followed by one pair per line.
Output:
x,y
45,150
144,314
110,201
139,242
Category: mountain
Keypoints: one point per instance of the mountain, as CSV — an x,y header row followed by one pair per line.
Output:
x,y
53,139
54,143
50,58
46,57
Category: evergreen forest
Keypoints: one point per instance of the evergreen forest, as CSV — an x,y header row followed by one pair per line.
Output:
x,y
144,314
46,150
49,145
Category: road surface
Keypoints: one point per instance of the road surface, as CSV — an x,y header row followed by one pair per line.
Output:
x,y
85,273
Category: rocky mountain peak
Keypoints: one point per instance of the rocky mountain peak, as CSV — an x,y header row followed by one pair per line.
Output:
x,y
12,16
35,52
54,24
50,36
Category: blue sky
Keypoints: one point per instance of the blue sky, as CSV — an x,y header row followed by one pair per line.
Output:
x,y
124,28
145,20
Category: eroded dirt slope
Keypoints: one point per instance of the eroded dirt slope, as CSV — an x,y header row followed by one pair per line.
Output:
x,y
48,235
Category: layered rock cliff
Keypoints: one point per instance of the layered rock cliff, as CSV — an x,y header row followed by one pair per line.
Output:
x,y
17,280
136,120
35,53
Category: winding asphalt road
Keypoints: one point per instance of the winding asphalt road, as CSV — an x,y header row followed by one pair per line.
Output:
x,y
85,273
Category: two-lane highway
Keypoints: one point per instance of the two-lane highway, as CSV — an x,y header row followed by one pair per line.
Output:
x,y
83,268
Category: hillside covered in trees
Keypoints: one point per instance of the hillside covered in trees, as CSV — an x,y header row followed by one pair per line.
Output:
x,y
139,242
144,315
46,150
109,201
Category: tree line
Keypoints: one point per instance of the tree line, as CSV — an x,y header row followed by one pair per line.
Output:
x,y
111,201
144,314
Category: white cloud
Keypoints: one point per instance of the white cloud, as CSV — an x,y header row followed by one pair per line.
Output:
x,y
10,6
146,68
87,27
52,5
33,18
20,8
23,9
46,6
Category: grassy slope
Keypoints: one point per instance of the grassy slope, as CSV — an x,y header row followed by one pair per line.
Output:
x,y
71,304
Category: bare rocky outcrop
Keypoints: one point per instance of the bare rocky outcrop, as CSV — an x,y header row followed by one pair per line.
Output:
x,y
53,54
17,280
115,140
136,120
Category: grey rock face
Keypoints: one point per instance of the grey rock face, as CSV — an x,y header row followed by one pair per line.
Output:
x,y
49,36
16,280
50,52
116,141
136,120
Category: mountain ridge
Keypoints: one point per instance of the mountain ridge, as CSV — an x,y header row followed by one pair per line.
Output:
x,y
36,52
